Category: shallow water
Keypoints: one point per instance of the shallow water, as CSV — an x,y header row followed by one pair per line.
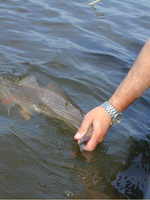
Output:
x,y
88,50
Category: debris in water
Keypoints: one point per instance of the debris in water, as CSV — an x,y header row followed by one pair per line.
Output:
x,y
69,194
91,4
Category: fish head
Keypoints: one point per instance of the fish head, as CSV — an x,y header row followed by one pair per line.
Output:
x,y
86,137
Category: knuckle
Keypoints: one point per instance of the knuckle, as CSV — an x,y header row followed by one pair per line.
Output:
x,y
98,138
80,130
86,117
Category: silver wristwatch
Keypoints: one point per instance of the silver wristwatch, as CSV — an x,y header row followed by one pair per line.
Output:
x,y
113,112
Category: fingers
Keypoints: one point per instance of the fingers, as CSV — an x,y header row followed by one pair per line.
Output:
x,y
100,130
84,127
101,122
90,146
95,139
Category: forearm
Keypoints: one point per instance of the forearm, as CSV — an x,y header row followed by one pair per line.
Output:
x,y
135,83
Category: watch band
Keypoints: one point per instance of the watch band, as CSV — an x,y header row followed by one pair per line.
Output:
x,y
113,112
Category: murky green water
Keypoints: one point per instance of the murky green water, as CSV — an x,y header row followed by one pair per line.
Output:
x,y
88,50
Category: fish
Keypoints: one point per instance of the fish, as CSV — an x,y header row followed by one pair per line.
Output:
x,y
86,137
51,100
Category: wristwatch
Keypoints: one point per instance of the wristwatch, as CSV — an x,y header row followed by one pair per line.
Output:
x,y
113,112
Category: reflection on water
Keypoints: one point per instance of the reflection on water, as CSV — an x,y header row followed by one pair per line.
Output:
x,y
88,50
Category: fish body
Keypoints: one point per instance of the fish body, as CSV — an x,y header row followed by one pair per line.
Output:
x,y
50,100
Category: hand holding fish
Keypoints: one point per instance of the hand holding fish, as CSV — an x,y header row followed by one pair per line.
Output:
x,y
133,86
101,122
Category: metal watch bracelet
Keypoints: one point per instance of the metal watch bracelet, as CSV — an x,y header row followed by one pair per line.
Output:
x,y
113,112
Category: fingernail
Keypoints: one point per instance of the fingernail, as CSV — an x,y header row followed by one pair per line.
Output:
x,y
78,135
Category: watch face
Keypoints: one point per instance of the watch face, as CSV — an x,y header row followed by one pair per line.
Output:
x,y
117,118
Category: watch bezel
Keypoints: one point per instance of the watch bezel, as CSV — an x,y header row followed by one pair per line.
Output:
x,y
116,118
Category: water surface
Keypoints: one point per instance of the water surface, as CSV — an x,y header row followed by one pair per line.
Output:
x,y
88,50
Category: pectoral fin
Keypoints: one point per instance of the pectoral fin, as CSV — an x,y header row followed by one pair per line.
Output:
x,y
25,113
9,101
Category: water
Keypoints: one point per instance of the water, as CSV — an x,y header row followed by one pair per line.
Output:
x,y
88,50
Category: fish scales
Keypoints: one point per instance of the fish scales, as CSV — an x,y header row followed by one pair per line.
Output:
x,y
53,105
50,100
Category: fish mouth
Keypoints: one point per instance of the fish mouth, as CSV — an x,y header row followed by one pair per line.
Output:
x,y
83,142
86,137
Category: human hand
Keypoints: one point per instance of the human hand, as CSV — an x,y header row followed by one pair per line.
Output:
x,y
101,122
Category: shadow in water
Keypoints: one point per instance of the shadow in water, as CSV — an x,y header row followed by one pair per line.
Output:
x,y
107,176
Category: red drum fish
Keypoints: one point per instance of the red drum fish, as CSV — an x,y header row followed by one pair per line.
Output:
x,y
51,100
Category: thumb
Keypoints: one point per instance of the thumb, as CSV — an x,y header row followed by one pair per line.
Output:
x,y
83,129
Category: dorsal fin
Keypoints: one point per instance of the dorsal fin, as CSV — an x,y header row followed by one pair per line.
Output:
x,y
30,81
57,89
